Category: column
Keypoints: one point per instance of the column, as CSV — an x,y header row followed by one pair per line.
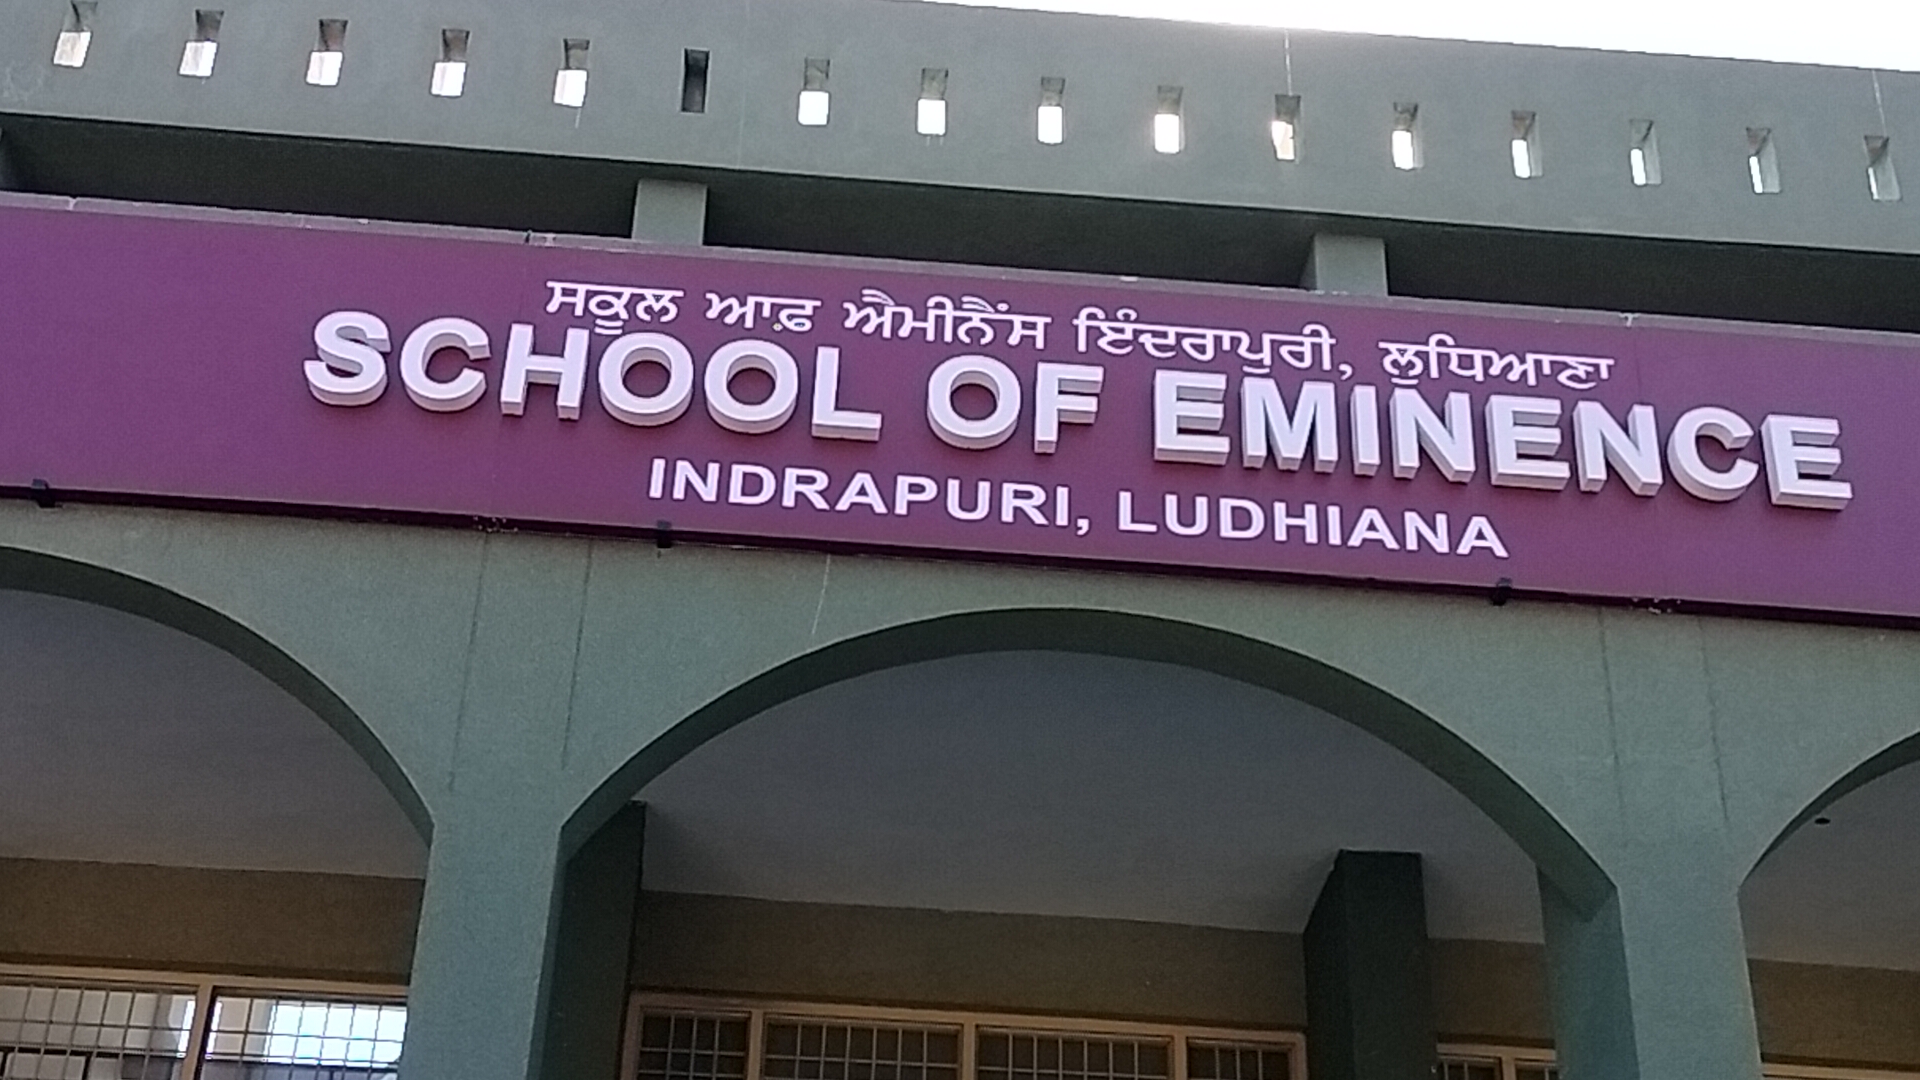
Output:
x,y
483,959
1346,264
593,951
1652,984
1369,977
670,212
1649,980
476,1005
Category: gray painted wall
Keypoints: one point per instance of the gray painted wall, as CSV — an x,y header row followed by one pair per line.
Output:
x,y
1348,85
516,690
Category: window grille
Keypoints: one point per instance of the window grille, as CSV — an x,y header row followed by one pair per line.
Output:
x,y
1041,1055
1470,1069
691,1046
1514,1063
804,1049
61,1030
1237,1061
278,1038
81,1024
668,1035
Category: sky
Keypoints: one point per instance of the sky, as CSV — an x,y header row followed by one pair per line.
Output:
x,y
1882,34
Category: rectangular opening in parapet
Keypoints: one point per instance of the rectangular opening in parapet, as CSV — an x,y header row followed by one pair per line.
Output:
x,y
450,73
1643,153
71,48
815,105
693,81
1168,134
1763,163
1882,183
197,59
1050,126
1406,148
1526,145
570,82
1286,127
930,114
323,64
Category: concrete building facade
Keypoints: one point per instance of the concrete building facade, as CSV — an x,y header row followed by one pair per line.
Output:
x,y
559,783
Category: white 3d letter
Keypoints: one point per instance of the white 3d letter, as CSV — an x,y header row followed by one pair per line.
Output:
x,y
1699,479
628,351
351,369
1063,394
430,337
955,429
750,355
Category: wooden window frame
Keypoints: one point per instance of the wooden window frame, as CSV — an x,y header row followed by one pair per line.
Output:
x,y
758,1010
206,987
1510,1057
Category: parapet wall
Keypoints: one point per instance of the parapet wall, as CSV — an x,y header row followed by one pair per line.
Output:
x,y
1708,116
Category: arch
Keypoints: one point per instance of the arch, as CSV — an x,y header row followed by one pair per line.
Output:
x,y
1559,856
1902,753
52,575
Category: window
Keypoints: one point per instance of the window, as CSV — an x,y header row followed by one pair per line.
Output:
x,y
1043,1055
1514,1063
450,71
70,48
56,1028
1050,126
196,60
1285,128
1405,143
1168,135
329,51
815,102
691,1046
570,82
1882,183
674,1038
1763,162
1208,1060
68,1024
804,1048
1525,145
1495,1063
1643,153
279,1038
930,115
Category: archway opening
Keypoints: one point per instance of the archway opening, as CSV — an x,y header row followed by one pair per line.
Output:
x,y
1832,917
202,877
1020,830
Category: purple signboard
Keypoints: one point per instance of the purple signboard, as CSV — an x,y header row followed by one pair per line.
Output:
x,y
951,411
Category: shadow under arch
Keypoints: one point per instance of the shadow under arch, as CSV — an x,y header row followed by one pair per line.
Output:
x,y
1558,855
1900,754
52,575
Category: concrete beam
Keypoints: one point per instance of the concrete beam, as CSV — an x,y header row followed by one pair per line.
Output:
x,y
1346,264
1369,981
670,212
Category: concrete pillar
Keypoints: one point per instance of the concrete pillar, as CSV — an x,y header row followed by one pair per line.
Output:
x,y
593,951
1346,264
477,1000
1649,981
483,956
1653,984
1369,981
670,212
